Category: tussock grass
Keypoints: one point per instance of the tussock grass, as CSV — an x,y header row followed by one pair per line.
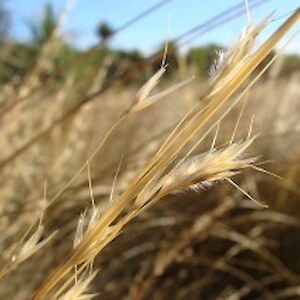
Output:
x,y
210,236
105,230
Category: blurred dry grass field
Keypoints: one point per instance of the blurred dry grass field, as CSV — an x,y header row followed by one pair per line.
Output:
x,y
203,239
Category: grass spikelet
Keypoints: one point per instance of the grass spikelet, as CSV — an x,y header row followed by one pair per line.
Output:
x,y
31,246
143,98
231,60
31,242
27,248
207,168
79,290
147,88
87,220
200,171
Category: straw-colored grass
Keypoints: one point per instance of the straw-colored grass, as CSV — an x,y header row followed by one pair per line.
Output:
x,y
197,223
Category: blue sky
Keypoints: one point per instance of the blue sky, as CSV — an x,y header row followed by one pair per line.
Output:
x,y
147,34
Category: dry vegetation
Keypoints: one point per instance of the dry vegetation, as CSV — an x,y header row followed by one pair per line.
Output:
x,y
127,195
